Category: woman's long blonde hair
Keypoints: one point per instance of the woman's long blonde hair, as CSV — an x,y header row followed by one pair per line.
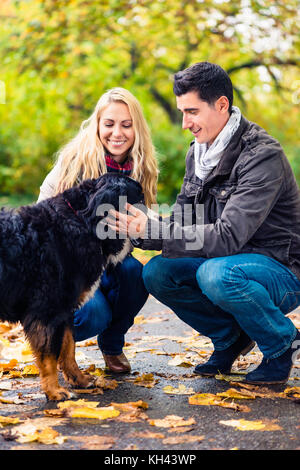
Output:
x,y
84,156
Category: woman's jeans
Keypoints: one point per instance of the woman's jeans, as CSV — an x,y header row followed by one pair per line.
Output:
x,y
110,313
219,297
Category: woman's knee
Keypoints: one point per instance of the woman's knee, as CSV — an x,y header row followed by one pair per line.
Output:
x,y
130,267
92,318
155,274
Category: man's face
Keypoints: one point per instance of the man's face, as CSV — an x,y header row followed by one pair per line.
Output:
x,y
203,120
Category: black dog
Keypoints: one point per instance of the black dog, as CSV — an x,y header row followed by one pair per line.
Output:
x,y
51,261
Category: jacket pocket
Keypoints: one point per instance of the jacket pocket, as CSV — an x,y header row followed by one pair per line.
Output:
x,y
219,195
190,188
222,193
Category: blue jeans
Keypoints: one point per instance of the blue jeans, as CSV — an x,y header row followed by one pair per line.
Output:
x,y
219,297
110,313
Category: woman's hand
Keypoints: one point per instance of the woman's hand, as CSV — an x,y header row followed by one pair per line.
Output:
x,y
132,224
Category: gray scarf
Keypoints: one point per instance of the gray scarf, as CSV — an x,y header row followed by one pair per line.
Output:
x,y
207,158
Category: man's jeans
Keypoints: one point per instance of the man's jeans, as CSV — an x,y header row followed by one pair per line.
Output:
x,y
219,297
110,313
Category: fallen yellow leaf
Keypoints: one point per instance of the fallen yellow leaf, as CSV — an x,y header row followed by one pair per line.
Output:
x,y
295,391
259,425
240,395
46,436
171,421
230,378
86,409
130,405
181,390
139,319
78,403
104,383
180,361
147,435
145,380
9,366
8,420
98,413
30,370
208,399
94,442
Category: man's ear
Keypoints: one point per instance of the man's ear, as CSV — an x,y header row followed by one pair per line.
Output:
x,y
222,104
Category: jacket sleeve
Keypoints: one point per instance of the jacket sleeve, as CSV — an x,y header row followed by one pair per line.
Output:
x,y
48,186
158,227
260,183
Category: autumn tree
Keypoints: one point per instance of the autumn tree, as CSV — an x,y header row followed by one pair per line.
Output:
x,y
60,55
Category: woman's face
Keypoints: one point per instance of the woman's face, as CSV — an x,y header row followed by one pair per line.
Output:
x,y
116,130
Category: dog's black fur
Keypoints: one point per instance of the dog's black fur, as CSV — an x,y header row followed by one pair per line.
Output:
x,y
51,260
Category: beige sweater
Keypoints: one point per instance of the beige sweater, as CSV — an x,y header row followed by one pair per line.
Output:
x,y
47,188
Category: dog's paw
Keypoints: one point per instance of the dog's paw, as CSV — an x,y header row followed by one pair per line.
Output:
x,y
59,394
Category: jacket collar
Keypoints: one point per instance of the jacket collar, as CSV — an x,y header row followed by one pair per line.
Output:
x,y
231,153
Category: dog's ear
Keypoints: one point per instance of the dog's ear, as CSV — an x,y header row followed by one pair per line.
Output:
x,y
91,185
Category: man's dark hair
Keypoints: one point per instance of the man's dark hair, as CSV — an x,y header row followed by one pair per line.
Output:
x,y
210,81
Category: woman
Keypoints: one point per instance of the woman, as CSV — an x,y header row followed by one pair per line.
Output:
x,y
115,138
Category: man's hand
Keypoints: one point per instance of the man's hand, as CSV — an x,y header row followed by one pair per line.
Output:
x,y
132,224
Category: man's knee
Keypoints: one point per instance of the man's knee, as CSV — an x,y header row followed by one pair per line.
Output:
x,y
212,277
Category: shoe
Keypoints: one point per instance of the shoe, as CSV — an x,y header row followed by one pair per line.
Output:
x,y
220,362
118,364
275,371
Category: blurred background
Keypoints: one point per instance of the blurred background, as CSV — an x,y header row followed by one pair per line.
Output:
x,y
59,56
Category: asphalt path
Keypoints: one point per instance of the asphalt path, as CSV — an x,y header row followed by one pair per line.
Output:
x,y
162,345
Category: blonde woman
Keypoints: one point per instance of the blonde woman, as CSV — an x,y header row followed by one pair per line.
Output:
x,y
115,138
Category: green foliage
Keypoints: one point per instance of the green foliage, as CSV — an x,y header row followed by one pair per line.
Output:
x,y
59,56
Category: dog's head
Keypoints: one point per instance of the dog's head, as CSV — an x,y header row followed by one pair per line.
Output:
x,y
110,191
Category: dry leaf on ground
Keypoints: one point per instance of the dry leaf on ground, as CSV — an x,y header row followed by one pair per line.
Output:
x,y
77,403
127,412
230,378
209,399
94,442
258,425
145,380
181,390
147,435
30,370
131,411
9,365
240,395
294,391
29,432
171,421
180,361
83,409
4,420
93,413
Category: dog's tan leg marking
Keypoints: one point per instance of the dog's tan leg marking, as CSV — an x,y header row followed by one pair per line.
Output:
x,y
68,364
49,381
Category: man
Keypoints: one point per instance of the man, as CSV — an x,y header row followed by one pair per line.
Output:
x,y
240,275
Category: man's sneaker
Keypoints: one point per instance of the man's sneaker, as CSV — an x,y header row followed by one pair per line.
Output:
x,y
221,361
275,371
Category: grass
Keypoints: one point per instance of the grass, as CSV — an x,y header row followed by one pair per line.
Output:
x,y
16,200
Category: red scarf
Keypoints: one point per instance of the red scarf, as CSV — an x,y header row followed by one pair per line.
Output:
x,y
113,166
